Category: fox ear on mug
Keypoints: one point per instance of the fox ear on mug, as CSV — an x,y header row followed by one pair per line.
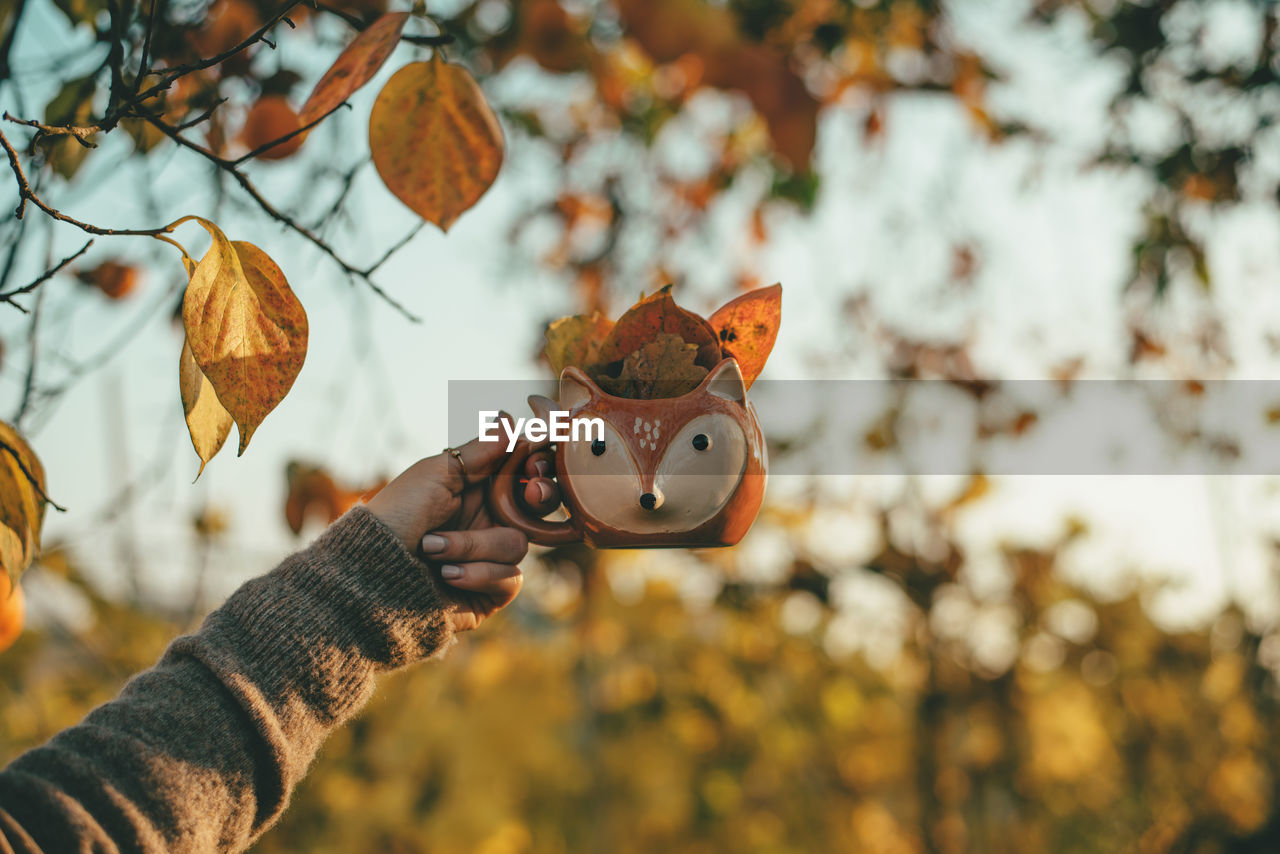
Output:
x,y
576,388
725,380
542,406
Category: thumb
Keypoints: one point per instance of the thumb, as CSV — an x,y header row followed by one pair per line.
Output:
x,y
482,457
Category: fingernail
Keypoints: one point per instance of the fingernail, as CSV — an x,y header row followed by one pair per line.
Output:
x,y
542,468
544,492
434,543
451,571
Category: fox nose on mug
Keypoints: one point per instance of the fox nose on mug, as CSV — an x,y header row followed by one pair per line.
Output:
x,y
651,500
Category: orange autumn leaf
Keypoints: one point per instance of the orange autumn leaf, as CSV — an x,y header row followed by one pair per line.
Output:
x,y
115,279
435,141
313,493
271,118
12,612
747,327
653,316
355,66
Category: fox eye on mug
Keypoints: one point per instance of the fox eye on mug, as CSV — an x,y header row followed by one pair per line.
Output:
x,y
597,447
701,442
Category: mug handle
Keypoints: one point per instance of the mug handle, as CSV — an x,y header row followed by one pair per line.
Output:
x,y
506,507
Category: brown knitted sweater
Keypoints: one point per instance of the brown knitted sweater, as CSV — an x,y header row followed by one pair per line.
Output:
x,y
202,751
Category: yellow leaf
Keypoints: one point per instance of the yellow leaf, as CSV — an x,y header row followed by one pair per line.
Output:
x,y
208,421
576,340
21,502
355,66
246,329
434,139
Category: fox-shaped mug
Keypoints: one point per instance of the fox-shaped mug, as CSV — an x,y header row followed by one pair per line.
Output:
x,y
677,472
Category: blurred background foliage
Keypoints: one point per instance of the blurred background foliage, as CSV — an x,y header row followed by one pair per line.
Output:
x,y
691,701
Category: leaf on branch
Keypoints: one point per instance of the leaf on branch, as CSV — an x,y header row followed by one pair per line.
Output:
x,y
747,327
21,502
246,329
576,340
270,119
664,367
435,141
655,315
208,421
355,66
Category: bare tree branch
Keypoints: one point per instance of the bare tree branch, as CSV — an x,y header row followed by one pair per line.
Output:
x,y
169,75
8,296
288,136
229,166
26,194
33,347
145,54
360,24
79,134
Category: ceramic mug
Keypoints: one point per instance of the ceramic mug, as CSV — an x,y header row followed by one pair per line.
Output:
x,y
678,472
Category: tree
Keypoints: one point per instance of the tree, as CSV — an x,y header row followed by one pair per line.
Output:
x,y
1096,730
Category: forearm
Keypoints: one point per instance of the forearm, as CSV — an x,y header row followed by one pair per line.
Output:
x,y
202,752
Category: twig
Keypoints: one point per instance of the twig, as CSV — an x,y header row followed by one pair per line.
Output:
x,y
33,347
8,296
360,25
395,247
190,123
288,136
25,194
115,55
35,484
169,75
11,256
348,181
145,53
229,166
80,134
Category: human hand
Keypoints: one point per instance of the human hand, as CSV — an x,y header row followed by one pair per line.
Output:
x,y
437,509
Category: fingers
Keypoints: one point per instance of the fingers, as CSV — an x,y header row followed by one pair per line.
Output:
x,y
500,545
501,581
541,464
479,459
542,496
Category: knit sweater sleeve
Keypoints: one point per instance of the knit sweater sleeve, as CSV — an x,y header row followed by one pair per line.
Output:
x,y
202,751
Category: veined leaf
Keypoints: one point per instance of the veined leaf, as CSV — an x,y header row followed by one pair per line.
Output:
x,y
246,329
435,141
21,502
208,421
747,327
655,315
355,66
576,340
